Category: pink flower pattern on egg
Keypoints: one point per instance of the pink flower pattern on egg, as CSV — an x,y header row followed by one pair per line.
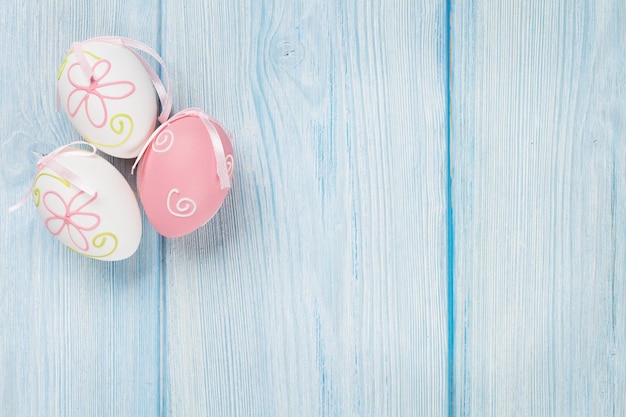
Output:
x,y
92,94
74,219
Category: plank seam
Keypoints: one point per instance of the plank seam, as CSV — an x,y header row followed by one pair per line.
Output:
x,y
162,355
449,214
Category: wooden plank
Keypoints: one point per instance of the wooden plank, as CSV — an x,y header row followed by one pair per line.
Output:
x,y
78,337
320,286
538,111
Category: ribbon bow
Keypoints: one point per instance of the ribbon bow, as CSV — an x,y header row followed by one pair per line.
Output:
x,y
216,141
165,95
49,161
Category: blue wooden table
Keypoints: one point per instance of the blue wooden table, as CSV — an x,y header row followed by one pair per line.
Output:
x,y
427,217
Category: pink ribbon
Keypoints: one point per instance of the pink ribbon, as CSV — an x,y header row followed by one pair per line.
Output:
x,y
216,141
165,96
49,161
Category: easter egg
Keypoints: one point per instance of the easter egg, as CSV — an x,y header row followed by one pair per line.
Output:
x,y
101,222
179,181
116,108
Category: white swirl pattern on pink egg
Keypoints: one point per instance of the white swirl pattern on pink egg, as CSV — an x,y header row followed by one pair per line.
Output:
x,y
230,164
163,142
185,207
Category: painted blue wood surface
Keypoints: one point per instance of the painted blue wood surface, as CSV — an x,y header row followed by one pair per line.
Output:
x,y
78,337
412,176
320,289
538,140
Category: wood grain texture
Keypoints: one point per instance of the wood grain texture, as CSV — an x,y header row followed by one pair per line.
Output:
x,y
78,337
538,129
320,286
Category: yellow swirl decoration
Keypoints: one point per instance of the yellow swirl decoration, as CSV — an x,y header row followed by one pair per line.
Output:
x,y
100,240
37,191
118,126
64,63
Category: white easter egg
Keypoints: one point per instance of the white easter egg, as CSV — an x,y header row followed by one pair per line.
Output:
x,y
105,225
116,110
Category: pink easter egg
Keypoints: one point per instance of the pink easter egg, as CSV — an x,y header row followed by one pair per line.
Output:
x,y
178,182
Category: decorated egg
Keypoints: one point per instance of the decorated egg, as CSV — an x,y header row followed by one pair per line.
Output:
x,y
108,92
184,173
87,204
